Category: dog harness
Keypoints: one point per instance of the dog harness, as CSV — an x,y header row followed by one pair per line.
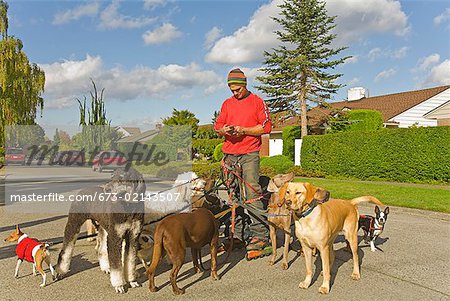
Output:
x,y
372,226
27,248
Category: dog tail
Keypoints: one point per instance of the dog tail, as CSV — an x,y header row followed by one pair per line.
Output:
x,y
366,198
157,250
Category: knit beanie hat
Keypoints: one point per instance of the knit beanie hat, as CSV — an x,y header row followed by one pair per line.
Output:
x,y
237,77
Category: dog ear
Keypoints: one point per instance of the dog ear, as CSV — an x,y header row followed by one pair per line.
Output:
x,y
321,195
290,176
272,187
377,209
17,229
282,191
386,210
310,192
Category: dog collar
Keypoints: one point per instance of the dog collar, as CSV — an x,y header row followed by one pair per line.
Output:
x,y
22,237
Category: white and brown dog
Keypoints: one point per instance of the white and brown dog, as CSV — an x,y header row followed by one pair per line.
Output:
x,y
317,224
31,250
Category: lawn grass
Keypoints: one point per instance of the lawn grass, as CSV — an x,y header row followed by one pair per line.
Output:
x,y
425,197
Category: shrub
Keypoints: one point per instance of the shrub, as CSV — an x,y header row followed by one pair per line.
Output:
x,y
279,163
206,132
356,121
207,169
404,155
290,133
218,153
2,155
267,171
300,172
205,146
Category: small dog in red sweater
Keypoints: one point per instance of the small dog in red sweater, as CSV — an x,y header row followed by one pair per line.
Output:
x,y
31,250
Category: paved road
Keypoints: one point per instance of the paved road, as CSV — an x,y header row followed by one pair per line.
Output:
x,y
414,265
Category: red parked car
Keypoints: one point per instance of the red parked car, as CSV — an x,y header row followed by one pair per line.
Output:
x,y
14,155
108,160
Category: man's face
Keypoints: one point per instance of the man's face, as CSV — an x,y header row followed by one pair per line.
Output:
x,y
238,91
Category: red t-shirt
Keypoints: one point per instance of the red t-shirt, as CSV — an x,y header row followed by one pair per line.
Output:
x,y
25,248
247,112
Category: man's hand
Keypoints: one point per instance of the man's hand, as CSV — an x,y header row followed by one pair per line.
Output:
x,y
227,130
238,131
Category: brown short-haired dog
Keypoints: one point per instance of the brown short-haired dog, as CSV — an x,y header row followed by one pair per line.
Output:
x,y
317,224
177,232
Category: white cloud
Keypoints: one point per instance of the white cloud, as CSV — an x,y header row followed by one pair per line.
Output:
x,y
212,36
353,82
426,62
164,34
151,4
438,20
385,74
110,18
399,53
84,10
356,20
374,54
377,53
70,79
440,74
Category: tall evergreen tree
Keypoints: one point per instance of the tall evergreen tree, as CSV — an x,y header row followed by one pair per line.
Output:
x,y
21,82
298,70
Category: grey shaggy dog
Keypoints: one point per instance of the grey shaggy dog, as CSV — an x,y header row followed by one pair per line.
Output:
x,y
119,215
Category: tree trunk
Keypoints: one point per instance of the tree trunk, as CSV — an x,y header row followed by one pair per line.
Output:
x,y
303,117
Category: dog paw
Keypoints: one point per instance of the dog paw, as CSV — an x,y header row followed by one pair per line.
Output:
x,y
134,284
179,291
284,265
16,276
324,290
120,289
153,289
303,285
42,285
214,276
356,276
271,262
106,270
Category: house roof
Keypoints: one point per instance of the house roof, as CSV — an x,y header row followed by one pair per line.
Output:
x,y
389,105
443,111
142,137
131,130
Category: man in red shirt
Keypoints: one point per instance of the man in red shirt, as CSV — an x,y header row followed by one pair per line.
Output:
x,y
243,118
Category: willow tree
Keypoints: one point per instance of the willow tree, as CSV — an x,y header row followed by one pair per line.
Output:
x,y
21,82
297,71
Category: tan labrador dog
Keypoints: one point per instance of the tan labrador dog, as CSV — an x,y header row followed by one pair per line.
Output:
x,y
317,224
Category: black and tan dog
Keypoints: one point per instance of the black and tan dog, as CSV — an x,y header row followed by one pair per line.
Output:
x,y
317,224
177,232
120,218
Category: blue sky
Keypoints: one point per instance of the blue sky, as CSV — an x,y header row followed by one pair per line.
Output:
x,y
155,55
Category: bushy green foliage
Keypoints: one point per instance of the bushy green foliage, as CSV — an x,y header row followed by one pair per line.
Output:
x,y
279,163
290,133
404,155
356,121
267,171
206,131
206,169
300,172
205,146
2,155
218,153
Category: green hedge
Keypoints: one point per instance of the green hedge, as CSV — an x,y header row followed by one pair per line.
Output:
x,y
2,155
218,153
356,121
279,163
205,146
404,155
290,133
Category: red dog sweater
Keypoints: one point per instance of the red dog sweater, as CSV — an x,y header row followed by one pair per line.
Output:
x,y
27,247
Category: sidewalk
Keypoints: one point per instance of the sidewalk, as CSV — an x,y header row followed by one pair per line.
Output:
x,y
414,265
